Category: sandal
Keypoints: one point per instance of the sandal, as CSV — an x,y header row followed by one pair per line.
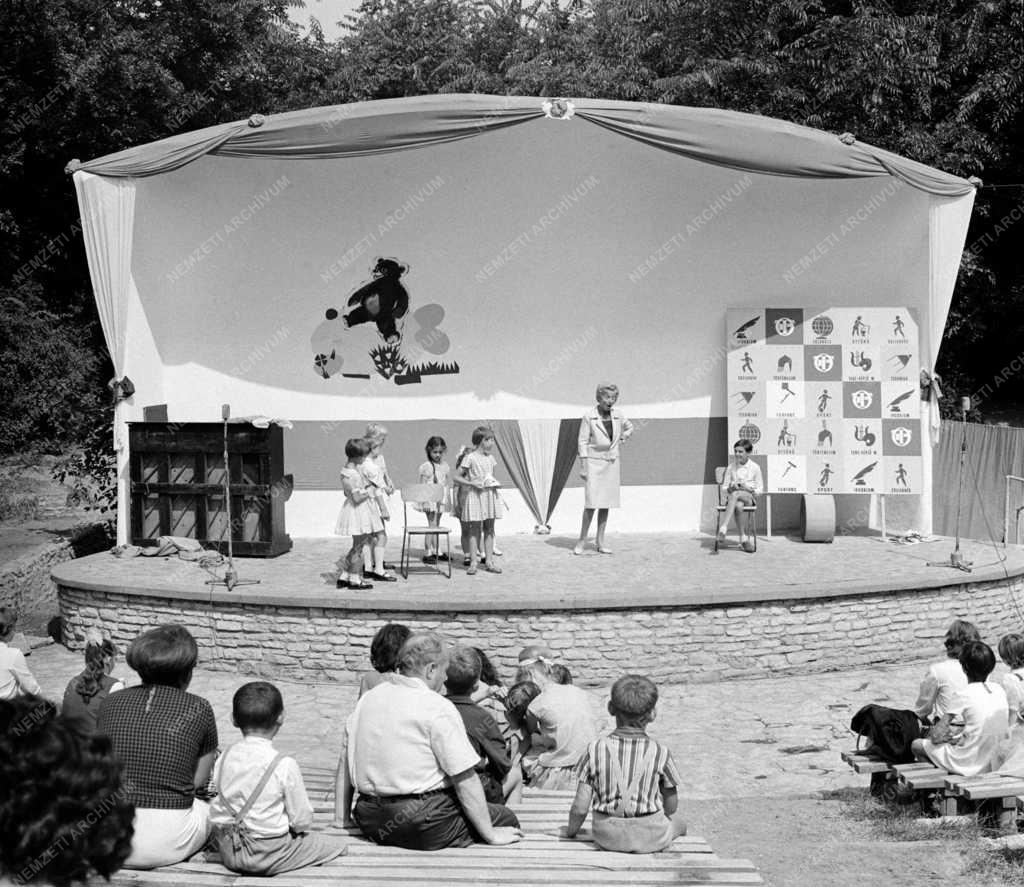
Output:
x,y
602,550
491,569
578,548
472,570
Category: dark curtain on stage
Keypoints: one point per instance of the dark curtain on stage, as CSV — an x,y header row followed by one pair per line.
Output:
x,y
513,453
993,452
565,459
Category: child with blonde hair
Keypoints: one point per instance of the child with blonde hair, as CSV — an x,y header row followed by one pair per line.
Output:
x,y
375,472
560,723
359,517
630,780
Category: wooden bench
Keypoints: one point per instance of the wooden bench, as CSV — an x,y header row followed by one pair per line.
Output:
x,y
883,776
999,793
541,858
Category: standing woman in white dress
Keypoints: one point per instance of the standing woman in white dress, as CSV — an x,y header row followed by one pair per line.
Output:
x,y
602,430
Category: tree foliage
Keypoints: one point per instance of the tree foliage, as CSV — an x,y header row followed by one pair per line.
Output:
x,y
941,82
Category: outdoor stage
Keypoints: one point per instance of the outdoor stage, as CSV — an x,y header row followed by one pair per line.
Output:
x,y
663,604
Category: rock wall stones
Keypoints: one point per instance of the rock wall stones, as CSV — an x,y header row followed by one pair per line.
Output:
x,y
671,645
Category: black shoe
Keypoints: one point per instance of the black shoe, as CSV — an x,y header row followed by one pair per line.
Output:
x,y
341,583
430,559
443,557
360,586
379,577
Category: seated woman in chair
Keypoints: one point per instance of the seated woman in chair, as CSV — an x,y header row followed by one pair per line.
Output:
x,y
741,485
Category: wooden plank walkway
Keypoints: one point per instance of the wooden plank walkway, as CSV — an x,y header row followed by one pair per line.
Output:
x,y
542,858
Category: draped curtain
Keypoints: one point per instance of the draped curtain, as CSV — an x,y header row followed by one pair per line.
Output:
x,y
108,232
539,455
732,139
993,452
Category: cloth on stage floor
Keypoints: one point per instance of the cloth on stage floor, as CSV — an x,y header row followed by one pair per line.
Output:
x,y
167,546
911,537
262,421
170,545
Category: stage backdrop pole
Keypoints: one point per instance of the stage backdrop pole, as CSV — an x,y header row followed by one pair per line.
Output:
x,y
881,506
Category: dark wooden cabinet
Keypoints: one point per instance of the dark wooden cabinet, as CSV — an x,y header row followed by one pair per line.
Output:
x,y
177,485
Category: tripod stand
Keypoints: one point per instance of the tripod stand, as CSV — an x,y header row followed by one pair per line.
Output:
x,y
956,558
230,580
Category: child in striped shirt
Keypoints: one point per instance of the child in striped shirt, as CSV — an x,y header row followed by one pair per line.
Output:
x,y
630,779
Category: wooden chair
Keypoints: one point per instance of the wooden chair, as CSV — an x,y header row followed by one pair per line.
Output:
x,y
720,508
411,494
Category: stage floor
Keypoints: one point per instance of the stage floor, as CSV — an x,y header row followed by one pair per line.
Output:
x,y
541,573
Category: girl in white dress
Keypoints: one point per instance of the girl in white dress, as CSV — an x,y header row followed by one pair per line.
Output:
x,y
480,504
359,518
434,471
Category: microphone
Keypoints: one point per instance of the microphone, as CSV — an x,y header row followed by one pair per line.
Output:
x,y
965,404
225,412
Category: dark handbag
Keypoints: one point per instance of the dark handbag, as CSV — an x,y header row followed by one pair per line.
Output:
x,y
888,731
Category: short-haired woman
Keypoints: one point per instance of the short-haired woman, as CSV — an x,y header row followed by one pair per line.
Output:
x,y
602,430
167,741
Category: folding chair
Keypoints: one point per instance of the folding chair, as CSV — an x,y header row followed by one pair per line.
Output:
x,y
411,494
720,508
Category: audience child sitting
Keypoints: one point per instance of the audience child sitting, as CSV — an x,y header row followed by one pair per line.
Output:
x,y
630,779
967,739
64,816
945,679
497,775
490,694
562,717
15,678
85,693
1011,651
384,655
518,700
262,815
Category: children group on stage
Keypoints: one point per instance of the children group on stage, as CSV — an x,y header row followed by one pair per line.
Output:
x,y
472,495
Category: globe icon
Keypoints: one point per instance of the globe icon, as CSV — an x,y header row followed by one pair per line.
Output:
x,y
822,326
751,432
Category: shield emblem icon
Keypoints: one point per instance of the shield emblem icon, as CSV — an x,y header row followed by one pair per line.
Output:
x,y
861,399
901,436
823,363
784,326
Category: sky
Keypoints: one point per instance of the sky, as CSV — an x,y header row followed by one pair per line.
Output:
x,y
328,12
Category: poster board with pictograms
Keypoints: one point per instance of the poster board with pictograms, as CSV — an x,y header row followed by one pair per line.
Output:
x,y
829,398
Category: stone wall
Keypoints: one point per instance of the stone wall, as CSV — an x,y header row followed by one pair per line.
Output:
x,y
26,586
671,645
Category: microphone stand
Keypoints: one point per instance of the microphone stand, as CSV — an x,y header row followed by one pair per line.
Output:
x,y
230,580
956,558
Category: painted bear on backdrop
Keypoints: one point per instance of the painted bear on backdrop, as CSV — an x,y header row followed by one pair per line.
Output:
x,y
383,300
